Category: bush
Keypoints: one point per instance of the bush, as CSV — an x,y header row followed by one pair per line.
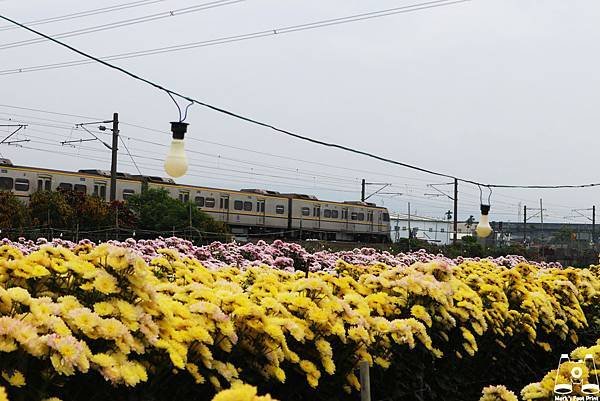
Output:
x,y
102,318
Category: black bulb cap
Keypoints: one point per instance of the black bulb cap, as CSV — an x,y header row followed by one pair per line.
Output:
x,y
178,129
485,209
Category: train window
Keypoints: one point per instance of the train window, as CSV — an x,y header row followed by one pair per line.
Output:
x,y
369,216
260,206
353,216
305,211
335,214
317,211
100,190
238,205
184,196
128,193
442,230
199,201
327,213
210,202
21,184
345,214
280,209
44,184
224,203
82,189
361,216
65,186
248,206
386,217
6,183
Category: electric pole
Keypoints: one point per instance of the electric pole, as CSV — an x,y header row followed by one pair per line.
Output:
x,y
362,192
454,199
114,152
455,237
409,230
594,224
542,223
114,148
524,224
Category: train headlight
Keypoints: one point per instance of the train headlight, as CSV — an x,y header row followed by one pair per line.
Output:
x,y
483,228
176,163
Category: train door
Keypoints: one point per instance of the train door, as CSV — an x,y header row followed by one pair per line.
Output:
x,y
345,218
100,189
224,206
370,220
317,215
44,183
260,210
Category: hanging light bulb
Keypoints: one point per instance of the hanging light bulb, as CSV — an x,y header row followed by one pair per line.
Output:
x,y
483,228
176,163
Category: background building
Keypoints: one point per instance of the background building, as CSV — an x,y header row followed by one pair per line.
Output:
x,y
438,231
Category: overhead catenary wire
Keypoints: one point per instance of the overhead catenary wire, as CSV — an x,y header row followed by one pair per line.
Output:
x,y
410,196
126,22
87,13
242,37
287,132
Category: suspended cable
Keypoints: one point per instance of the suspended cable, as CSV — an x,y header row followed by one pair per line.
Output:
x,y
246,36
131,156
81,14
124,23
290,133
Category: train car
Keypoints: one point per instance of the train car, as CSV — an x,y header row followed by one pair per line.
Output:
x,y
245,211
340,221
24,181
248,212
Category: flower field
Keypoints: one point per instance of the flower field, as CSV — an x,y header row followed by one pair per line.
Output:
x,y
163,320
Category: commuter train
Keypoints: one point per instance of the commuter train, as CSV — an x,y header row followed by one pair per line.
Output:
x,y
248,212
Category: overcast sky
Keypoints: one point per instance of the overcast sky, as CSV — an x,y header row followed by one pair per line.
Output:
x,y
498,91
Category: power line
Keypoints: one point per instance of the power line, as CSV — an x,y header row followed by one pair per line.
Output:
x,y
124,23
81,14
465,191
290,133
158,168
246,36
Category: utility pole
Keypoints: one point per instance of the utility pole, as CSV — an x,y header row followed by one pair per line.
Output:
x,y
409,229
524,224
455,237
454,199
592,219
114,152
114,148
542,222
594,225
362,192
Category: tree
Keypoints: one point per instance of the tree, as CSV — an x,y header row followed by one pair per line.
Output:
x,y
89,212
157,211
13,213
50,209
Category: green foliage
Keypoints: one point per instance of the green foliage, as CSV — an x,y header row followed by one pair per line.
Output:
x,y
50,209
156,210
13,213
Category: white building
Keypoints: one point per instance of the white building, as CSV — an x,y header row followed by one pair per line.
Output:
x,y
438,231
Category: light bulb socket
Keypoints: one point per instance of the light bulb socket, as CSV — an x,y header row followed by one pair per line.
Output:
x,y
485,209
178,129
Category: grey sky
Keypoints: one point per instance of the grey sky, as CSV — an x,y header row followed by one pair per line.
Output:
x,y
501,91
